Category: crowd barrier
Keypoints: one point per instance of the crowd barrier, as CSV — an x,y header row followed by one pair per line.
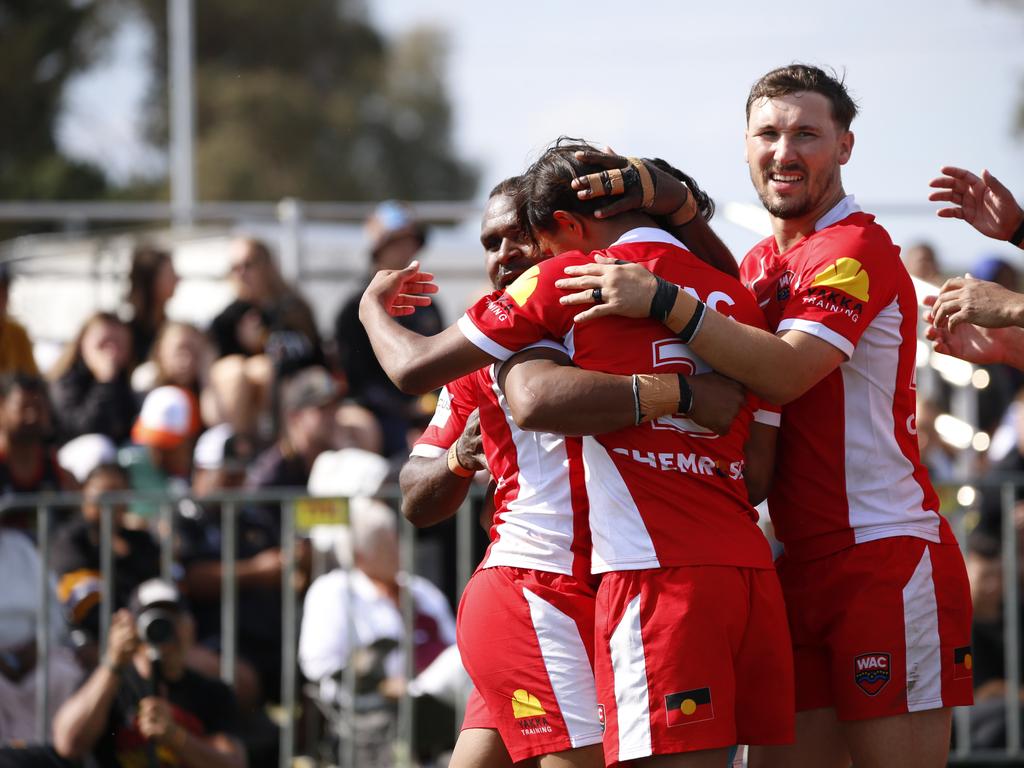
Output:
x,y
300,513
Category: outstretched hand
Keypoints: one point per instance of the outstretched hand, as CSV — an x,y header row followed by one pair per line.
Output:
x,y
400,291
983,202
972,343
979,302
626,289
670,193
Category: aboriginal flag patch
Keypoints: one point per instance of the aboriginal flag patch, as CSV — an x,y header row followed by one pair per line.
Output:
x,y
963,662
689,707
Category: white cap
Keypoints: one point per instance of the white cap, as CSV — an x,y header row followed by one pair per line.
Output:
x,y
209,453
86,452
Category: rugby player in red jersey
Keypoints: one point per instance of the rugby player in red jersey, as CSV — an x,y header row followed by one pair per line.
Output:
x,y
533,596
691,637
875,585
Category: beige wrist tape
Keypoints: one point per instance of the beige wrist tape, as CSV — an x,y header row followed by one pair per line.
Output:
x,y
679,316
685,213
454,465
658,394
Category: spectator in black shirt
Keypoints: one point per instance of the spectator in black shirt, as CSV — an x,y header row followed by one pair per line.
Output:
x,y
90,386
151,284
396,239
119,719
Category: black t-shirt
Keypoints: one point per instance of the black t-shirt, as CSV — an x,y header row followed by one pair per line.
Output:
x,y
292,340
75,558
201,705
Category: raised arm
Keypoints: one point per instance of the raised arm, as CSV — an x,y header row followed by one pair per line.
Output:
x,y
778,368
675,200
981,201
416,364
546,393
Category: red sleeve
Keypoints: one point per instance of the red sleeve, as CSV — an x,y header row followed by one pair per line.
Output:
x,y
527,311
454,405
842,282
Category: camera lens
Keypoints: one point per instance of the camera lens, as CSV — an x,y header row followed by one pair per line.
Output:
x,y
156,626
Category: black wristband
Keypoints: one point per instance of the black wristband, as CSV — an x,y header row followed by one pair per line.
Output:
x,y
663,300
685,396
696,320
1017,238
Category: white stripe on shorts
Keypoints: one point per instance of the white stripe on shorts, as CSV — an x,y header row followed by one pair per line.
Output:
x,y
921,629
632,705
568,668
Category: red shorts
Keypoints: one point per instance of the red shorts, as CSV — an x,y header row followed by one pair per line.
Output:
x,y
692,658
477,715
527,640
880,628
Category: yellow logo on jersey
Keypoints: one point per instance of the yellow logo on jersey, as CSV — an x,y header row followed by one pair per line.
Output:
x,y
525,704
524,285
846,275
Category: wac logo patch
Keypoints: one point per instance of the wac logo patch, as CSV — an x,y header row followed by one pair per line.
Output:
x,y
846,275
871,672
600,716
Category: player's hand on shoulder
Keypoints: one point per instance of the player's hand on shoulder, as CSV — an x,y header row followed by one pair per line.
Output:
x,y
611,288
470,446
716,401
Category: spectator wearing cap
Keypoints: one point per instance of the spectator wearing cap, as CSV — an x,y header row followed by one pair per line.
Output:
x,y
15,347
267,331
90,383
120,720
75,553
160,458
308,402
28,463
220,462
21,574
396,238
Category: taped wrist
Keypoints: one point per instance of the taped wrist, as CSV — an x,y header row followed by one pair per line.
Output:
x,y
693,326
685,213
656,394
664,299
685,396
454,465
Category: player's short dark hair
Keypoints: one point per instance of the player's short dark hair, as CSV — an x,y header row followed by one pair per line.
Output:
x,y
545,187
507,186
796,78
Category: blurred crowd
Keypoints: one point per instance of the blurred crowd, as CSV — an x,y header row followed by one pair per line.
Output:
x,y
257,401
261,400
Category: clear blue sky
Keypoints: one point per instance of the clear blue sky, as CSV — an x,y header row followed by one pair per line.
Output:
x,y
937,83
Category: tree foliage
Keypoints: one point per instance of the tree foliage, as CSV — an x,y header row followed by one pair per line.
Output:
x,y
42,44
306,99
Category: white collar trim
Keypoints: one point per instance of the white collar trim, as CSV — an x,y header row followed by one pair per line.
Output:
x,y
647,235
840,211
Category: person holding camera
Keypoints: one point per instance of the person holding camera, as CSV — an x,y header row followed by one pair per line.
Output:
x,y
141,706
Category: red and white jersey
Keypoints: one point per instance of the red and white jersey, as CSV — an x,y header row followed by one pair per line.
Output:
x,y
848,469
667,492
540,517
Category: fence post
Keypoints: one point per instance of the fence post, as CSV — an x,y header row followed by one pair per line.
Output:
x,y
43,627
106,572
228,593
288,615
290,214
406,722
167,541
1011,621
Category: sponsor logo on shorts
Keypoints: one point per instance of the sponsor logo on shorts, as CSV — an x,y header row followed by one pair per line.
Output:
x,y
871,672
600,717
963,663
688,707
529,714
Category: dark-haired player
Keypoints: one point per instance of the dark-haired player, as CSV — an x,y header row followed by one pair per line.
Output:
x,y
875,585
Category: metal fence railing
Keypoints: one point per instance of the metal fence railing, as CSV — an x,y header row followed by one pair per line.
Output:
x,y
299,513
